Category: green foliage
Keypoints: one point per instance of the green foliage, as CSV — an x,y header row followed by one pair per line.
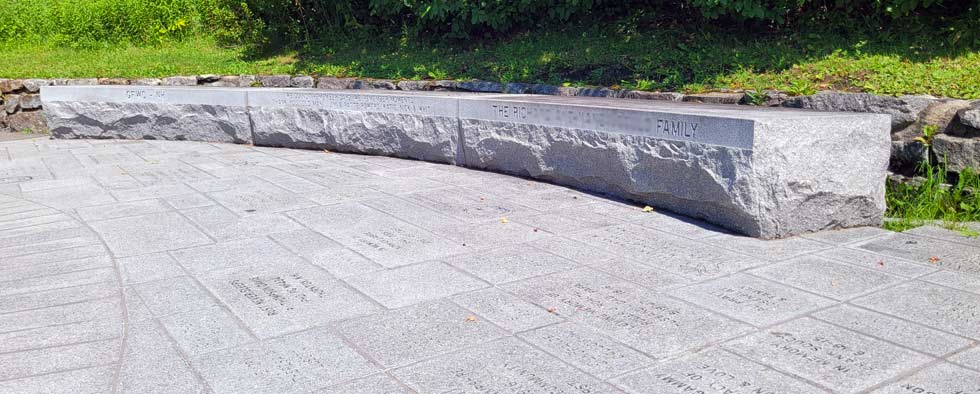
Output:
x,y
98,22
912,205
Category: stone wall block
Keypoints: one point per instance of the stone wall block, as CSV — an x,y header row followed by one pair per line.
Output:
x,y
331,83
30,101
11,86
275,81
11,103
179,81
904,110
302,81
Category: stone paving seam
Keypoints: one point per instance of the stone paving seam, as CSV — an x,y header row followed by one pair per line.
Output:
x,y
186,359
849,302
906,374
876,336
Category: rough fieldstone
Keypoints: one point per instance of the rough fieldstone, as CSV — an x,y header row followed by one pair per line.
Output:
x,y
540,88
971,116
113,81
30,101
715,98
958,152
445,85
481,86
381,84
904,110
275,81
413,126
227,81
147,113
517,88
642,95
179,81
207,78
32,121
148,82
302,81
331,83
247,81
34,85
599,92
75,82
738,167
906,155
11,86
415,85
11,103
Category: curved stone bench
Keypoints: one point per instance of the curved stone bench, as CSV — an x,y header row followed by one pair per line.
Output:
x,y
768,173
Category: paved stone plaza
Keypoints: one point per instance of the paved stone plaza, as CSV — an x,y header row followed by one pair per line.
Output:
x,y
186,267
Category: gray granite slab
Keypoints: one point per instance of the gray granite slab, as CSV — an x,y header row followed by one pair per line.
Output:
x,y
877,262
773,250
712,371
54,359
62,296
505,310
847,236
628,313
403,286
671,253
586,349
965,282
149,233
294,363
969,358
939,307
205,330
173,295
945,234
80,381
925,250
399,337
942,378
510,263
506,365
276,298
379,237
148,267
754,300
914,336
374,384
230,254
841,360
152,112
260,200
118,210
827,278
641,274
152,364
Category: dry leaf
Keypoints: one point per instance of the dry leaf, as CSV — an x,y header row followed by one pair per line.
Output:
x,y
535,230
470,318
503,220
934,259
881,263
647,209
552,310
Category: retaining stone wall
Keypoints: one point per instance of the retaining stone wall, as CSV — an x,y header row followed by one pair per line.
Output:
x,y
956,122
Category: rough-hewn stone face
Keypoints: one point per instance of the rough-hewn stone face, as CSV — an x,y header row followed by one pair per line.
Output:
x,y
391,125
903,110
147,113
794,173
958,152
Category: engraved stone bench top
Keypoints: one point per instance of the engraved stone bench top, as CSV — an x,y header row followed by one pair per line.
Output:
x,y
192,267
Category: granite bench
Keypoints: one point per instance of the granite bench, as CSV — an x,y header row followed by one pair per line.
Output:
x,y
768,173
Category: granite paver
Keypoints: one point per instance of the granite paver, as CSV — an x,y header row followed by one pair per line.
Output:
x,y
184,267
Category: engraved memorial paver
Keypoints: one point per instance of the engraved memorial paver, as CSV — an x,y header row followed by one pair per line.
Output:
x,y
715,372
836,358
931,305
403,286
751,299
893,329
827,278
673,254
296,363
379,237
279,298
510,264
936,252
586,349
943,378
149,233
507,365
399,337
505,310
657,325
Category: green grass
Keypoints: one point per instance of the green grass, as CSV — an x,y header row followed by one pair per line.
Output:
x,y
675,58
911,205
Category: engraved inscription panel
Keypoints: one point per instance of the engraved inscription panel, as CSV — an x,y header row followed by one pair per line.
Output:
x,y
729,132
358,102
